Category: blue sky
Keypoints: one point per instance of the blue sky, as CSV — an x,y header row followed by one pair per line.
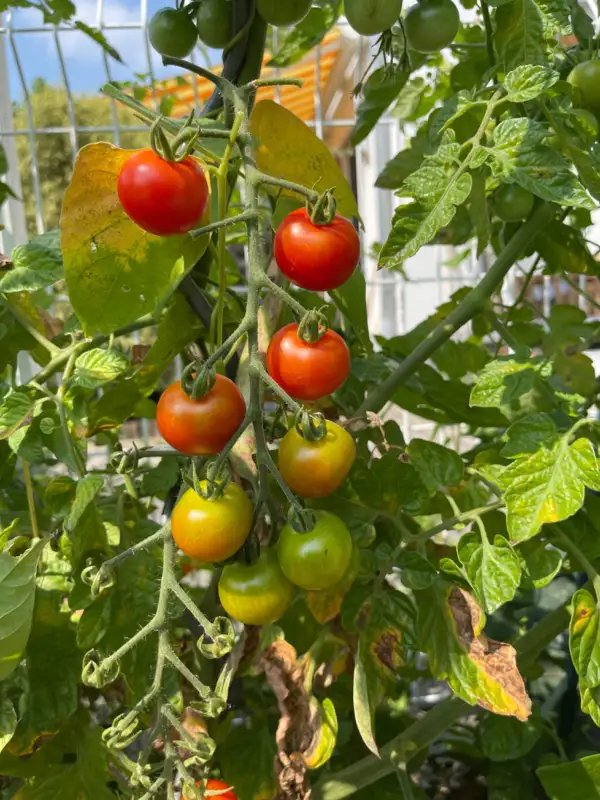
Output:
x,y
83,58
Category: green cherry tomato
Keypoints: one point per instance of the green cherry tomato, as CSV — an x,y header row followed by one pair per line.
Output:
x,y
585,78
172,33
513,203
214,21
370,17
280,14
319,558
255,594
431,25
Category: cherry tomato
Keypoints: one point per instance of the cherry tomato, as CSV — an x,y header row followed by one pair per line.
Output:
x,y
212,530
316,469
204,426
255,594
214,785
585,78
280,14
172,32
214,22
308,371
316,257
369,17
512,203
431,25
162,197
319,558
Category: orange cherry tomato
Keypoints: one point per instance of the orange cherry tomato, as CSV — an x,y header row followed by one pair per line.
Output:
x,y
212,530
204,426
308,370
215,785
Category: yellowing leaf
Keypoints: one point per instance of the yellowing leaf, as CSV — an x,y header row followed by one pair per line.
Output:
x,y
115,271
289,149
479,670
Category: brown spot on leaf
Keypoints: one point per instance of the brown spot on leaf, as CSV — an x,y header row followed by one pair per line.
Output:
x,y
385,648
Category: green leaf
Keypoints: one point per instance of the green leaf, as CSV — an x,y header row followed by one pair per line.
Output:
x,y
415,571
351,299
35,265
8,718
86,492
98,37
564,248
17,595
584,644
506,739
389,484
246,758
549,486
504,381
15,408
528,435
438,466
115,271
494,570
528,81
479,670
575,780
307,34
94,622
402,165
540,563
379,92
161,478
525,30
97,367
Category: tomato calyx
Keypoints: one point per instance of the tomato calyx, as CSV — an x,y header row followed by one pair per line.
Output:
x,y
322,210
180,147
218,477
218,640
197,382
311,427
313,326
301,519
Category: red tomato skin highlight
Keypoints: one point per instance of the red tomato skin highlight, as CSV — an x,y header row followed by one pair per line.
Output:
x,y
203,426
163,197
316,257
308,371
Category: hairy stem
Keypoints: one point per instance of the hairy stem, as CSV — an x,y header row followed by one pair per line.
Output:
x,y
35,531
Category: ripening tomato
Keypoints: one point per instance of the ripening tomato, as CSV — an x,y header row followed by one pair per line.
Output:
x,y
585,78
370,17
214,22
431,25
212,530
255,594
319,558
316,469
214,785
162,197
512,203
308,370
287,13
204,426
172,32
316,257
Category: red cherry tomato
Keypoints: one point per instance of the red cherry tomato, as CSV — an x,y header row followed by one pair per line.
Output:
x,y
214,785
162,197
316,257
204,426
308,370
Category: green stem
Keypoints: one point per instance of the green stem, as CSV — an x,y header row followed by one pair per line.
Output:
x,y
281,293
224,222
489,31
264,376
504,332
139,546
35,531
462,314
222,84
289,186
31,329
78,462
262,82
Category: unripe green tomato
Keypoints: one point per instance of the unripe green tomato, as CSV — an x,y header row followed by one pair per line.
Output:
x,y
172,33
214,21
512,203
585,78
283,12
370,17
431,25
319,558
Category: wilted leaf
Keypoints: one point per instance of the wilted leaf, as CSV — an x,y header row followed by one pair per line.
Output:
x,y
479,670
438,466
17,595
289,149
494,570
549,485
115,271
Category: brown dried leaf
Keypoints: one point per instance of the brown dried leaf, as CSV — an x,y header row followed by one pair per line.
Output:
x,y
5,261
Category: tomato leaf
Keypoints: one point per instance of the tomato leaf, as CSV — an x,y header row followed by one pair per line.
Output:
x,y
505,738
115,271
351,299
438,466
378,93
86,492
528,435
17,595
525,30
97,367
584,644
540,564
493,569
564,248
35,265
575,780
246,758
528,81
308,33
15,408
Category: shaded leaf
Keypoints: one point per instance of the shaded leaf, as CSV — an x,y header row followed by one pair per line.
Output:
x,y
378,93
505,739
540,563
438,466
584,644
575,780
246,759
564,248
86,492
351,299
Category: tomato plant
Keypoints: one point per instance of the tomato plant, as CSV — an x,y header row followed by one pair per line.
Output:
x,y
258,593
308,370
318,558
163,197
212,529
281,14
331,524
172,32
203,425
369,17
319,257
